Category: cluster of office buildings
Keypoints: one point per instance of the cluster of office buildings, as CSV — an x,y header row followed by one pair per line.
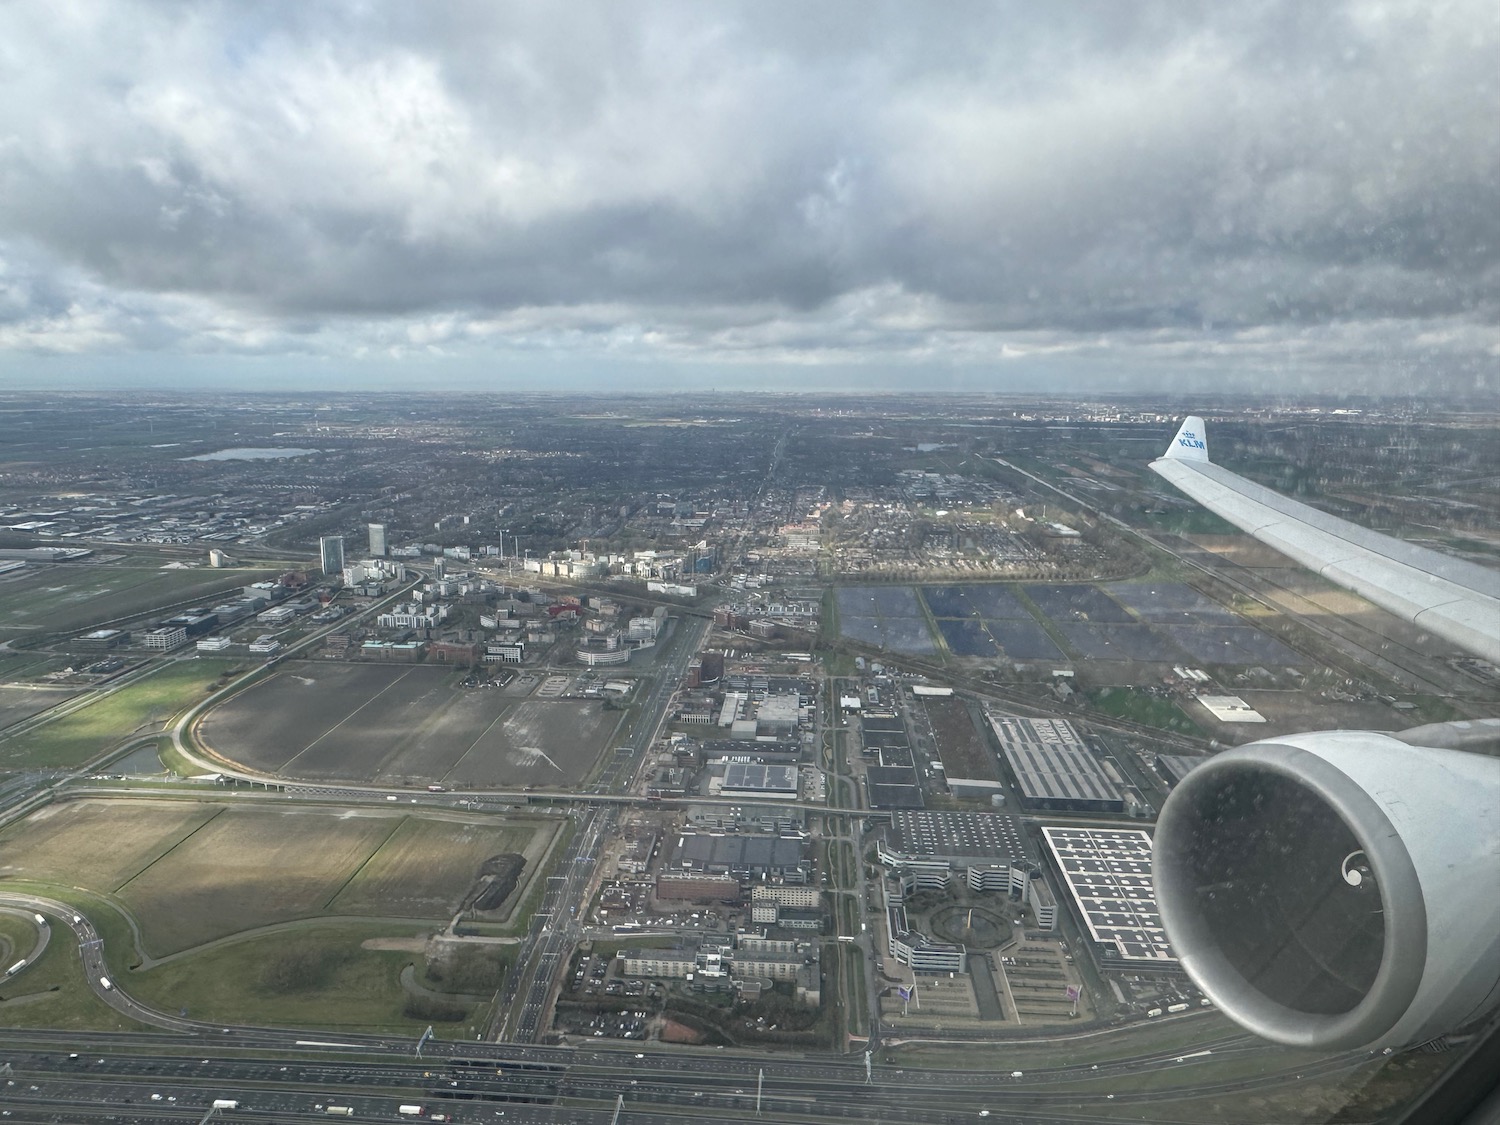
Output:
x,y
927,850
746,961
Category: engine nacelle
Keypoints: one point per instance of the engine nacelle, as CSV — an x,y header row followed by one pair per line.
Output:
x,y
1338,889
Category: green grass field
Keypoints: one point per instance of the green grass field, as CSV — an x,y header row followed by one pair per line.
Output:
x,y
193,872
60,843
74,739
17,938
1148,710
361,989
63,599
248,868
401,879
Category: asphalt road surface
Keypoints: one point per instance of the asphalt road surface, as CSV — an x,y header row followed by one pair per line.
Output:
x,y
291,1076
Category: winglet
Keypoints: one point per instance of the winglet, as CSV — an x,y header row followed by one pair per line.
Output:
x,y
1191,442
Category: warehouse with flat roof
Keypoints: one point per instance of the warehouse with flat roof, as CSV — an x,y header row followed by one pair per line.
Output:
x,y
759,780
1053,766
893,787
744,856
1174,767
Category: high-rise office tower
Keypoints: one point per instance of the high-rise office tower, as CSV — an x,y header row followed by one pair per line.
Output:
x,y
377,540
331,547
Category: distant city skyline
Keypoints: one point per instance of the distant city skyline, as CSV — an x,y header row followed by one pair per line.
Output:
x,y
659,197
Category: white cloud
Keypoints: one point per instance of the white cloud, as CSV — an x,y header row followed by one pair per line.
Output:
x,y
871,185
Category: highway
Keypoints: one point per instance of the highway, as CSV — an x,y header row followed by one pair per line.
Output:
x,y
27,958
555,929
287,1076
91,950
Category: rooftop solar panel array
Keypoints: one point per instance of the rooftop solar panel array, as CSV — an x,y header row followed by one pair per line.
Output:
x,y
1108,872
760,777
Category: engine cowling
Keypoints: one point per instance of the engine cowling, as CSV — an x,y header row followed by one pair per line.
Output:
x,y
1338,889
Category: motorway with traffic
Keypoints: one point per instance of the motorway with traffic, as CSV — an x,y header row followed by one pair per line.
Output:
x,y
293,1076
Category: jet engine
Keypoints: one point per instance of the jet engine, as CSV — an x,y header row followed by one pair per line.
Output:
x,y
1338,889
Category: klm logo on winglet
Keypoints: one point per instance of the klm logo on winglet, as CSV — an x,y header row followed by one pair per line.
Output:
x,y
1191,442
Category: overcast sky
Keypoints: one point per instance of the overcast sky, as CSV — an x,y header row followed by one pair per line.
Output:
x,y
797,195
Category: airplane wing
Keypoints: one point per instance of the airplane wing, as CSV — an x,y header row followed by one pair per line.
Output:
x,y
1457,600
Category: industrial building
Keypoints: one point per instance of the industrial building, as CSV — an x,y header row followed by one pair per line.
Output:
x,y
101,640
893,787
690,887
1108,875
778,714
894,782
747,818
1174,767
758,781
722,751
743,856
881,730
1053,766
1230,709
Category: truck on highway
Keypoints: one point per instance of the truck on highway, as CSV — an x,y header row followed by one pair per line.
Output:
x,y
340,1110
1177,1007
225,1103
1153,1013
409,1110
41,919
104,984
16,968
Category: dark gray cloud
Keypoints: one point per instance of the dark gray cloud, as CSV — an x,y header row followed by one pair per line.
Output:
x,y
777,183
